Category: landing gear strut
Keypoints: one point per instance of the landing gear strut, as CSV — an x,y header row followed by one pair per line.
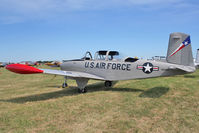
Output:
x,y
108,84
64,85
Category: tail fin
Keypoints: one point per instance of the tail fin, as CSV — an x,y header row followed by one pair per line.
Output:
x,y
179,50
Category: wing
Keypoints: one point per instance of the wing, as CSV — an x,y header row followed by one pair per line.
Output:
x,y
71,74
24,69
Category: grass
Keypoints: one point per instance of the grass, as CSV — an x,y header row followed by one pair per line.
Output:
x,y
37,103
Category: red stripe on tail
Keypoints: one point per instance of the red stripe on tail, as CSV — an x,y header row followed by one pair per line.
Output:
x,y
178,50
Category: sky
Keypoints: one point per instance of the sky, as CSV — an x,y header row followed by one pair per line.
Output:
x,y
32,30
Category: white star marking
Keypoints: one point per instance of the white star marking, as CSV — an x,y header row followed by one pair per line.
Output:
x,y
186,43
147,68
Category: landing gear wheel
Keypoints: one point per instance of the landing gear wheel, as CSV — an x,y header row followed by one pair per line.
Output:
x,y
82,90
108,84
64,85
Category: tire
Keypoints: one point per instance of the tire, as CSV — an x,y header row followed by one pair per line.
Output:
x,y
85,90
82,90
64,85
108,84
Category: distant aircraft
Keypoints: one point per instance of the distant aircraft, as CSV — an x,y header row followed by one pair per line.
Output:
x,y
54,64
3,64
197,59
29,63
108,67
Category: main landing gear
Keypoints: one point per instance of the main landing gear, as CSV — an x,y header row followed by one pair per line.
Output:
x,y
108,83
81,83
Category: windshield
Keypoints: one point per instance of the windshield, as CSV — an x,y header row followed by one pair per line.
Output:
x,y
88,56
108,55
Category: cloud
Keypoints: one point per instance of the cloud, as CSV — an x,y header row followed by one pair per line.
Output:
x,y
19,10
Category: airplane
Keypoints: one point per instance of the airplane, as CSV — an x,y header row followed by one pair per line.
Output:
x,y
3,64
108,67
29,63
197,59
53,64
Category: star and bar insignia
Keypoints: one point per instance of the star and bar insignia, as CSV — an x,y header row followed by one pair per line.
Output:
x,y
148,68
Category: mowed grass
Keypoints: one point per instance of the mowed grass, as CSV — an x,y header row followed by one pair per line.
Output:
x,y
38,104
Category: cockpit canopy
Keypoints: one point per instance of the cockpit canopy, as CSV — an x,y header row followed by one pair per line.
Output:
x,y
108,56
103,55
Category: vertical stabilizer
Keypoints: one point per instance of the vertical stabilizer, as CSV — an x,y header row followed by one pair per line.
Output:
x,y
179,50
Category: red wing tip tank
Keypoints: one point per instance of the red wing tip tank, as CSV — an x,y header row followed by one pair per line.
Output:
x,y
23,69
108,66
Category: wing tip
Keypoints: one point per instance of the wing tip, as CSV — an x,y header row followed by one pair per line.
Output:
x,y
23,69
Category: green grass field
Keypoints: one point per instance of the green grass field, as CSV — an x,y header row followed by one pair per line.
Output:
x,y
37,103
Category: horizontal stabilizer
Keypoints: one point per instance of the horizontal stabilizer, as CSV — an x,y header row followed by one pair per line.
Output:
x,y
183,68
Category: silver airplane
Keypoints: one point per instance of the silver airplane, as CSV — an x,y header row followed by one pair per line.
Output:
x,y
108,67
197,59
